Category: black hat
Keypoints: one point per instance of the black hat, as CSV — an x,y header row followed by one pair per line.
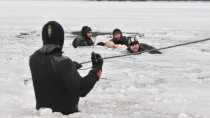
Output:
x,y
53,33
116,31
85,30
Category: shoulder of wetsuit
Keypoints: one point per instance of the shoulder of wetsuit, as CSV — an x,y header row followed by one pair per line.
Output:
x,y
33,55
55,58
77,41
145,47
59,59
79,38
36,54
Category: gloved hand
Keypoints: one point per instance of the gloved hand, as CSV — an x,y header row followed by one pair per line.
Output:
x,y
97,61
77,65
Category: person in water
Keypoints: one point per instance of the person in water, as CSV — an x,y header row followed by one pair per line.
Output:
x,y
136,47
84,39
56,81
120,41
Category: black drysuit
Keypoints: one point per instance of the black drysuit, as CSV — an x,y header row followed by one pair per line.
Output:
x,y
82,41
57,83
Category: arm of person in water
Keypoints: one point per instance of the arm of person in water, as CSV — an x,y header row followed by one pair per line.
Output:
x,y
120,46
110,44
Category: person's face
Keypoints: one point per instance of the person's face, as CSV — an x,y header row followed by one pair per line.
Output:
x,y
135,48
89,34
117,36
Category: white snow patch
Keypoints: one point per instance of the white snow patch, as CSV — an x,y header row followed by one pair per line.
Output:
x,y
172,85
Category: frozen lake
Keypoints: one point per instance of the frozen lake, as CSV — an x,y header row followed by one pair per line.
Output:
x,y
175,84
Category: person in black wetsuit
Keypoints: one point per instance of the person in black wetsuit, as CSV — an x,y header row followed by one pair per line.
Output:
x,y
56,81
136,47
84,39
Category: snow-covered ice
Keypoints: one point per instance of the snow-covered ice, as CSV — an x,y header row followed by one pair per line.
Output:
x,y
175,84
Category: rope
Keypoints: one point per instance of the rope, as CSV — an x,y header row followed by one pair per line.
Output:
x,y
163,48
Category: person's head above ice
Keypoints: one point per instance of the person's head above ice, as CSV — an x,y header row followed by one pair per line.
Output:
x,y
117,34
86,32
134,46
84,39
53,33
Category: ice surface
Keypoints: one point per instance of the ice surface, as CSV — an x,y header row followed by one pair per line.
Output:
x,y
175,84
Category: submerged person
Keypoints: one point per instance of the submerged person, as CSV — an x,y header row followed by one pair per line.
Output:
x,y
136,47
85,38
56,81
118,40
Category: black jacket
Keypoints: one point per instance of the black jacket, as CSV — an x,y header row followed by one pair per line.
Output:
x,y
57,83
82,41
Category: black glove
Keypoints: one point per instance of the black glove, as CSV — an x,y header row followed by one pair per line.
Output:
x,y
97,61
77,65
101,44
